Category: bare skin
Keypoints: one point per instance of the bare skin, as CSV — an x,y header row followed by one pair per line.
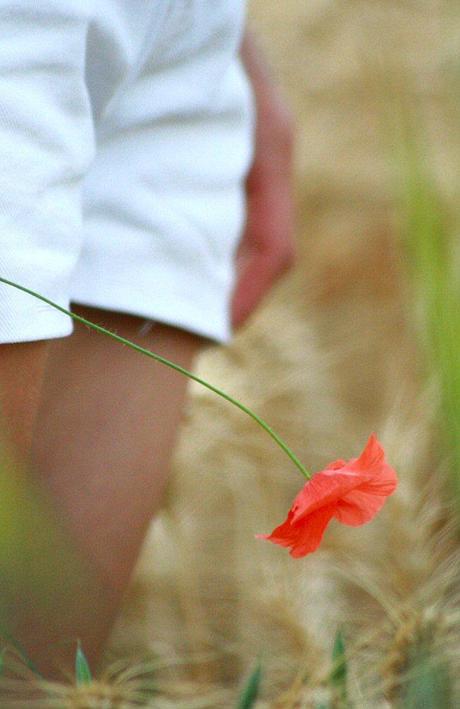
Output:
x,y
107,420
21,373
267,248
105,433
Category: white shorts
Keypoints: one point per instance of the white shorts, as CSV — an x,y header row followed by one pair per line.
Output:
x,y
125,137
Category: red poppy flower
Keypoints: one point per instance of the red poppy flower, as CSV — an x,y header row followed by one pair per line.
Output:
x,y
352,492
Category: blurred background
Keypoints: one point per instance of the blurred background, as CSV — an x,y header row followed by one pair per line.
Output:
x,y
362,336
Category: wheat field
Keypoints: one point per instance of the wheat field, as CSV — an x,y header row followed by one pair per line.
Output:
x,y
332,355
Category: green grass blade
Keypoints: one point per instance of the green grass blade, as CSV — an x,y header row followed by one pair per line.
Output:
x,y
251,689
431,265
21,652
339,673
429,685
82,671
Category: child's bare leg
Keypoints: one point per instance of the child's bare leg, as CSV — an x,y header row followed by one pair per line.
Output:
x,y
21,374
34,554
105,434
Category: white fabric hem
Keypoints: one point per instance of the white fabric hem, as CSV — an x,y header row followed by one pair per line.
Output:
x,y
214,325
34,326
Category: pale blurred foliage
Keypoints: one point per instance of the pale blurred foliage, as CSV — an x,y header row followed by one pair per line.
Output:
x,y
329,358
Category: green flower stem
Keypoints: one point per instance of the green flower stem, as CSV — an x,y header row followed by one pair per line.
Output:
x,y
177,367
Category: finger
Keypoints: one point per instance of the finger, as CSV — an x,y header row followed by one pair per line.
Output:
x,y
258,272
267,248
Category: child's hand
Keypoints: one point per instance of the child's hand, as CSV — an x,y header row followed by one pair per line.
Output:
x,y
267,248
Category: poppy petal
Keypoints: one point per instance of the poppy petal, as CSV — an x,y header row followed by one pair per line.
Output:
x,y
352,491
336,464
302,538
372,457
285,534
360,505
383,483
358,508
322,490
311,532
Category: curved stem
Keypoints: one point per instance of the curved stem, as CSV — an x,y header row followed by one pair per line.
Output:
x,y
278,440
